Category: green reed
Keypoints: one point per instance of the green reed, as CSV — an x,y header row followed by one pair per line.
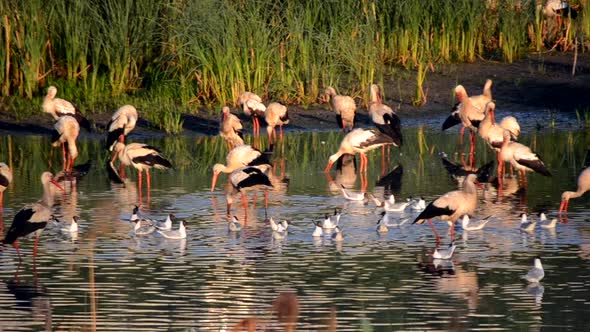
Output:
x,y
208,52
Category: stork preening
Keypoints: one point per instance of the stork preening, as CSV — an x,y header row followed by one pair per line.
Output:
x,y
254,108
383,116
276,115
65,132
468,110
58,107
122,123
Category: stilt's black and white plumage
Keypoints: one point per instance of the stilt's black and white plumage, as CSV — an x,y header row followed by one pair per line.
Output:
x,y
122,123
384,117
58,107
33,217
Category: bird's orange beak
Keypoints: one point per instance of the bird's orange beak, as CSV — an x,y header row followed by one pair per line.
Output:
x,y
215,175
52,180
328,167
477,183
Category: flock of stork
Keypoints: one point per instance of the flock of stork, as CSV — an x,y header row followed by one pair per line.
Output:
x,y
249,169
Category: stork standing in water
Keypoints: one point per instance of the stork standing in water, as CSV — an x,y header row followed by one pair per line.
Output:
x,y
361,141
253,107
248,179
58,107
521,157
142,157
238,157
383,116
32,218
477,105
276,115
493,133
5,180
122,123
343,106
65,132
583,186
231,128
451,206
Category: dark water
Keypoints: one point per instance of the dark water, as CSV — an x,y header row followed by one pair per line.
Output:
x,y
107,279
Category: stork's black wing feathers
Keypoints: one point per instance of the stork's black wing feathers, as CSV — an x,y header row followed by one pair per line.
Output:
x,y
153,159
113,136
432,211
19,226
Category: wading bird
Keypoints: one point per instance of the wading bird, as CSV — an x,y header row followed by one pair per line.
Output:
x,y
65,132
58,107
583,186
473,111
276,115
142,157
361,141
34,217
451,206
383,116
122,123
231,129
343,106
240,156
248,179
253,107
5,180
521,157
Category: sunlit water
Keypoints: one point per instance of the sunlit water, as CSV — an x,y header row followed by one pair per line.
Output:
x,y
107,279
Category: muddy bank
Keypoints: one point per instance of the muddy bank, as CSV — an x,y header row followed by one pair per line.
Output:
x,y
538,83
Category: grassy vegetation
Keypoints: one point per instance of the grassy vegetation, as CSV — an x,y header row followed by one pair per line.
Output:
x,y
194,53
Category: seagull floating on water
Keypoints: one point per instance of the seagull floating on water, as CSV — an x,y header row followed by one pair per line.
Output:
x,y
382,224
318,231
234,225
331,222
444,253
351,196
175,234
417,204
536,273
473,225
548,224
525,224
337,235
389,204
73,227
143,227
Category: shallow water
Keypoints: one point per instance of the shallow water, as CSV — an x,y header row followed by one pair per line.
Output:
x,y
107,279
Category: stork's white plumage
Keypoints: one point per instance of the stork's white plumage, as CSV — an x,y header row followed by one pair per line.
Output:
x,y
360,141
253,107
583,186
231,128
384,117
240,156
343,106
141,157
521,157
5,180
122,123
58,107
65,132
276,115
246,179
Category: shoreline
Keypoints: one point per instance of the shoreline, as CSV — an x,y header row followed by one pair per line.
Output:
x,y
535,83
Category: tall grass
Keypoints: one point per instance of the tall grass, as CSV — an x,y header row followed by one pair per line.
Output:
x,y
210,51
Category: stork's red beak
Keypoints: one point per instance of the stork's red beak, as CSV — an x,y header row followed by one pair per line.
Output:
x,y
52,180
479,184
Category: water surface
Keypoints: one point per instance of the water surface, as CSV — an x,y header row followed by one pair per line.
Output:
x,y
107,279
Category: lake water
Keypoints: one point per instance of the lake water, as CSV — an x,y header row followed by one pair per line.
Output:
x,y
107,279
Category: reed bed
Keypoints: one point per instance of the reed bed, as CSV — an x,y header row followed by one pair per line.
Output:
x,y
195,53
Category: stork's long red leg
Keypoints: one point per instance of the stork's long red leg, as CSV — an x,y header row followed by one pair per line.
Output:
x,y
461,133
281,129
434,230
15,245
266,199
63,152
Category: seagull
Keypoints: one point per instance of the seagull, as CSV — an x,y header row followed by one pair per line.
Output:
x,y
165,225
542,216
474,225
389,204
234,225
382,224
337,236
318,231
536,273
274,226
176,234
73,228
353,196
331,222
417,204
548,224
444,253
525,224
143,227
